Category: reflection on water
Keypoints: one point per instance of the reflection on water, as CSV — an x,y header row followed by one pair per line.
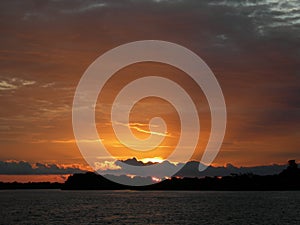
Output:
x,y
146,207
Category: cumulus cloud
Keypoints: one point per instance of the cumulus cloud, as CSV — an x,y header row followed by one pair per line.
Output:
x,y
106,165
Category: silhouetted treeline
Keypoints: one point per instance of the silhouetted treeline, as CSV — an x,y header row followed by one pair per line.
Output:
x,y
91,181
288,179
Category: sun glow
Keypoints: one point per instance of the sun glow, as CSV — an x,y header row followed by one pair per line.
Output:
x,y
131,176
155,179
153,160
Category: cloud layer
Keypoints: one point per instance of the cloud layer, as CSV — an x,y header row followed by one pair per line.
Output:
x,y
114,169
251,46
190,169
25,168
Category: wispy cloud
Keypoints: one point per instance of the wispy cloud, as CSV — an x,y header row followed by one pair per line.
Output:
x,y
247,44
66,141
137,127
47,85
74,141
87,7
4,85
14,83
267,14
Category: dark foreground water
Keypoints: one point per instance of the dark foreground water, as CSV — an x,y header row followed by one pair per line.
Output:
x,y
146,207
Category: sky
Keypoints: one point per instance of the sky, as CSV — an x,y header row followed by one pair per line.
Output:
x,y
252,47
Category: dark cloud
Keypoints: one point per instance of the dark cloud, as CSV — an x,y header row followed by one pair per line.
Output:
x,y
190,169
25,168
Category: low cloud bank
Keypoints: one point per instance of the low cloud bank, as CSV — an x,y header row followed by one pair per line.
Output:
x,y
25,168
190,169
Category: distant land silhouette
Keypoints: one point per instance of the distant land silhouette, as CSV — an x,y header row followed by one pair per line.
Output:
x,y
288,179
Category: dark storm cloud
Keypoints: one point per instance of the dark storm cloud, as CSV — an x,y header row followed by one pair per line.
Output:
x,y
25,168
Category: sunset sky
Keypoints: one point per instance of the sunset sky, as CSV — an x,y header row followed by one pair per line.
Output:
x,y
253,48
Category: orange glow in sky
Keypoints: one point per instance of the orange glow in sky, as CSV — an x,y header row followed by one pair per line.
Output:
x,y
46,48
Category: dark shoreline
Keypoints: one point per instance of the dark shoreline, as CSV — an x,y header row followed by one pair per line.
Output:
x,y
30,185
287,180
243,182
91,181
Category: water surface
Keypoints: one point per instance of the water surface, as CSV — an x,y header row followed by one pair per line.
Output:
x,y
148,207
